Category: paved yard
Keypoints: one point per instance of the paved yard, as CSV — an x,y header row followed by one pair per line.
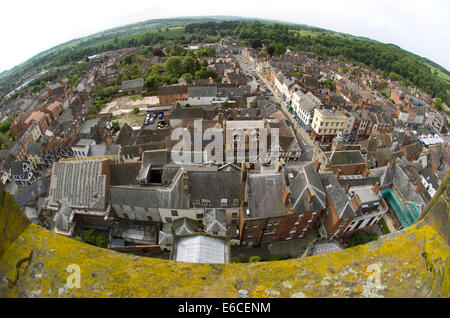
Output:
x,y
293,248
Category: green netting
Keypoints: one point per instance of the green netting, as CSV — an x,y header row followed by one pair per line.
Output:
x,y
406,214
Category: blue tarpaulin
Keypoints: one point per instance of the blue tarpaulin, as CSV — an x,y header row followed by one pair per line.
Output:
x,y
406,214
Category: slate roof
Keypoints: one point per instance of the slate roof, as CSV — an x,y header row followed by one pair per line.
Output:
x,y
171,197
165,234
133,84
17,168
87,125
413,149
383,154
31,192
155,157
358,180
79,183
431,177
188,113
215,186
202,91
4,153
124,173
265,194
215,220
136,232
125,135
304,178
405,187
172,90
104,150
62,217
185,226
337,158
138,150
338,197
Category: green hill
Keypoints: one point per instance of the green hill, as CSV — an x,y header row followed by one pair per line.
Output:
x,y
388,59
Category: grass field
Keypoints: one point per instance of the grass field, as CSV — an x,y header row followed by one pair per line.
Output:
x,y
445,77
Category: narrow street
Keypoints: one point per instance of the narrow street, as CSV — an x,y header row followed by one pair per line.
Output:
x,y
306,144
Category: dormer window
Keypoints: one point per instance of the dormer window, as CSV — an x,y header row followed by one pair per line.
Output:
x,y
224,202
206,202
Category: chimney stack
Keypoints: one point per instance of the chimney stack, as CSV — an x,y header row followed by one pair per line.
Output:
x,y
316,166
347,186
311,194
376,187
286,195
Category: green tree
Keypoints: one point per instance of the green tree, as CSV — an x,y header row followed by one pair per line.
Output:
x,y
5,125
136,110
174,66
116,126
95,238
438,104
127,60
188,77
205,74
280,49
361,237
271,50
256,44
178,51
190,65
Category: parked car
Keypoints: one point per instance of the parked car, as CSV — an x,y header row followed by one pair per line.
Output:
x,y
152,120
161,115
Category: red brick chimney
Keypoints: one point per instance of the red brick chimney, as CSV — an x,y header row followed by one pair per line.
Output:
x,y
316,165
376,187
347,186
286,195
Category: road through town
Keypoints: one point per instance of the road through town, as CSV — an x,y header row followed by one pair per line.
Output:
x,y
306,144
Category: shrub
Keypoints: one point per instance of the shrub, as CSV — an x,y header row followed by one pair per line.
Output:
x,y
384,226
361,237
95,238
254,259
277,257
136,110
236,260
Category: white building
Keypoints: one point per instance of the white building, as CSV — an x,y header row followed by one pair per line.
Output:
x,y
303,107
429,118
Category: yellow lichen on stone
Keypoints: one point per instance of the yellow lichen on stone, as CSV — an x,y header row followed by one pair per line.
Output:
x,y
410,263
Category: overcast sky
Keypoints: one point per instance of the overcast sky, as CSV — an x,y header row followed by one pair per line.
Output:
x,y
30,27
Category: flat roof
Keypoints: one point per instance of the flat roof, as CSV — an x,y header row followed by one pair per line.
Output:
x,y
201,249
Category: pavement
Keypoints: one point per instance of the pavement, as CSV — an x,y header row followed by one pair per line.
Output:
x,y
294,248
